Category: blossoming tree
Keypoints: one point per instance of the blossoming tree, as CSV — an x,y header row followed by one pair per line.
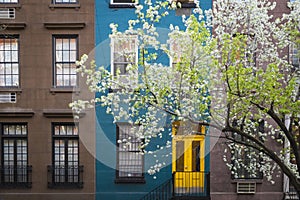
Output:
x,y
237,80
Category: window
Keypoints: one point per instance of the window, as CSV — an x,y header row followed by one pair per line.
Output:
x,y
130,161
124,52
65,169
15,170
180,58
294,56
9,61
123,3
246,156
296,133
246,159
247,49
176,52
64,1
8,1
184,1
65,56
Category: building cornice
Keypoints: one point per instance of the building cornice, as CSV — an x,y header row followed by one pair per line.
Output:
x,y
61,113
13,25
16,112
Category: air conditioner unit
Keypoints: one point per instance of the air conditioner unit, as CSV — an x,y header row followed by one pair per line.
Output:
x,y
246,187
7,13
10,97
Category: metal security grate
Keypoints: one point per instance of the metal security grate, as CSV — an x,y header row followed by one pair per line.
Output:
x,y
7,13
13,176
246,187
10,97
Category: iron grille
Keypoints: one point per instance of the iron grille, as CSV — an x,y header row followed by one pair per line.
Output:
x,y
16,176
65,176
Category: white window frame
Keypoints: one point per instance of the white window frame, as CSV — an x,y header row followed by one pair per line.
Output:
x,y
10,58
134,2
173,51
120,37
67,2
9,1
61,61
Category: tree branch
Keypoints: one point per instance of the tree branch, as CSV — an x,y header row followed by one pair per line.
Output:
x,y
269,153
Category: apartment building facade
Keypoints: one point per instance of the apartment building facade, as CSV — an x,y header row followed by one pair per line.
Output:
x,y
243,186
122,173
42,152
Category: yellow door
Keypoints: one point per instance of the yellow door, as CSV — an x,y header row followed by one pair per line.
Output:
x,y
188,163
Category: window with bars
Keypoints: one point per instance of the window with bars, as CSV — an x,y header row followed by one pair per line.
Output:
x,y
9,61
124,52
64,1
65,55
130,160
65,169
14,167
9,1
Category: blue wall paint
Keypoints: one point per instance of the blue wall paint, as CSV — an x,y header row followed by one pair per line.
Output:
x,y
106,188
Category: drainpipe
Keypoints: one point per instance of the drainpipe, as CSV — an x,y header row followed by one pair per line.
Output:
x,y
286,182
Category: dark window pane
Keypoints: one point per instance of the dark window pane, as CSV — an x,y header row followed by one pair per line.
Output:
x,y
179,156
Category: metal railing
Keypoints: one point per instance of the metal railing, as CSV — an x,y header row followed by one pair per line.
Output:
x,y
16,176
191,184
162,192
182,184
65,176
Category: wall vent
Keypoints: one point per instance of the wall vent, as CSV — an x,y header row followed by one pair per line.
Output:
x,y
246,187
7,13
10,97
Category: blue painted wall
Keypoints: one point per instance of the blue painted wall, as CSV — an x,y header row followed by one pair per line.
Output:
x,y
106,188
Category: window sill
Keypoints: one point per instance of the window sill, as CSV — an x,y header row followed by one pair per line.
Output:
x,y
54,6
258,180
187,5
62,25
130,181
11,89
15,26
78,185
115,5
55,90
10,5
